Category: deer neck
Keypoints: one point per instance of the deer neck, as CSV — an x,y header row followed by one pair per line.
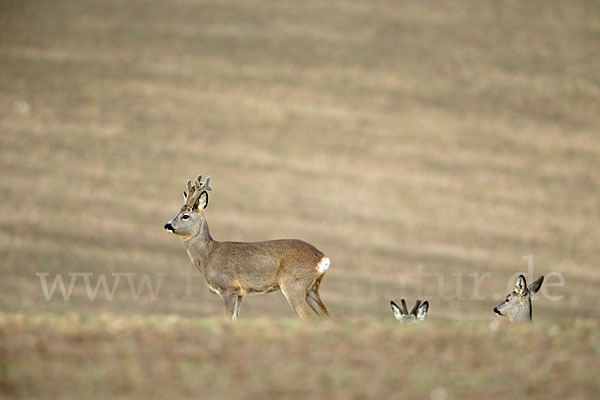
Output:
x,y
199,243
524,314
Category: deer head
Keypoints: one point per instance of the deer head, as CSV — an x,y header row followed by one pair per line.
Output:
x,y
416,315
190,218
517,305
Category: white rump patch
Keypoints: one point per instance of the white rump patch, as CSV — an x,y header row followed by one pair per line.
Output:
x,y
323,265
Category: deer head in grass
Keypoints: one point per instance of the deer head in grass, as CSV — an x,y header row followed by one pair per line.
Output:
x,y
517,305
416,315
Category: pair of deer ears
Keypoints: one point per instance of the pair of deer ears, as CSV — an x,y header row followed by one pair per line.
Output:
x,y
522,289
419,310
202,201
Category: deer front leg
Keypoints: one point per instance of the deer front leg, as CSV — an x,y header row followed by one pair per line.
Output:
x,y
233,303
238,305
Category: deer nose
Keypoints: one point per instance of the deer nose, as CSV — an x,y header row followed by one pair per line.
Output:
x,y
496,311
169,227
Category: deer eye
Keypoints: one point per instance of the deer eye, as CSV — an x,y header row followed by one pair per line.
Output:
x,y
506,301
185,216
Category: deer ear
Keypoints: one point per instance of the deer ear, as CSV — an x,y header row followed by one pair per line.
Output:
x,y
535,286
521,286
422,311
202,201
397,310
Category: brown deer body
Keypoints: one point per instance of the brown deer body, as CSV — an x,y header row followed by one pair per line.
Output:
x,y
235,269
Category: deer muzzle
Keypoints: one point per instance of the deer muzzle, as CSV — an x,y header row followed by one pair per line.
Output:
x,y
169,228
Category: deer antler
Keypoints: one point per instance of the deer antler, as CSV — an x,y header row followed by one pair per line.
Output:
x,y
195,190
404,306
416,307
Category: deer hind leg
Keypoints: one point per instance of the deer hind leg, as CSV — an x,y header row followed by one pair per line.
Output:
x,y
296,297
313,304
314,299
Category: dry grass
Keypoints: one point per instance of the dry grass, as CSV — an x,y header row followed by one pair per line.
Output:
x,y
458,136
170,356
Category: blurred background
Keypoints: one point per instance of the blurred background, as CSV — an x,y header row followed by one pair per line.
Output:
x,y
422,146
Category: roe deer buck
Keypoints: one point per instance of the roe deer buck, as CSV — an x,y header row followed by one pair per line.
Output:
x,y
234,269
416,315
517,305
